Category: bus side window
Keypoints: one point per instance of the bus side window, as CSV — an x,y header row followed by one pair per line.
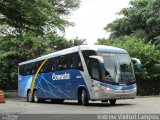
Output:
x,y
27,68
80,67
21,70
69,65
56,64
86,54
52,65
25,71
62,62
73,61
94,70
32,68
59,62
36,66
66,62
44,67
76,61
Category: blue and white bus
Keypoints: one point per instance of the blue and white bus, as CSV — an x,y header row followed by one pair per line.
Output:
x,y
83,73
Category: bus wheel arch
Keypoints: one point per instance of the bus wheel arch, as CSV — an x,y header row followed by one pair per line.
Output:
x,y
83,97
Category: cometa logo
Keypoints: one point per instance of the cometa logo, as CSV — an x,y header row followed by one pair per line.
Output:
x,y
64,76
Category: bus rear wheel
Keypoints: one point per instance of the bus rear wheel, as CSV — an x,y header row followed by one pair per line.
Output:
x,y
29,96
36,99
83,98
112,101
35,96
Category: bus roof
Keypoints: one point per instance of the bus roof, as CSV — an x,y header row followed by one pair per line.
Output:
x,y
100,48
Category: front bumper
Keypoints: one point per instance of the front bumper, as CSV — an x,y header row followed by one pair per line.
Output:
x,y
119,94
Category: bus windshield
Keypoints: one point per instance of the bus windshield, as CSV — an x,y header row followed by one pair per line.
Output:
x,y
118,68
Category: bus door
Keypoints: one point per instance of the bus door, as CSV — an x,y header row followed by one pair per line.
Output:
x,y
95,73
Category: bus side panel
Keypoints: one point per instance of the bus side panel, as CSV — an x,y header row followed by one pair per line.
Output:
x,y
24,83
60,84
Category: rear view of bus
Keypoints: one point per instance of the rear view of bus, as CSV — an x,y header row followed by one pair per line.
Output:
x,y
80,73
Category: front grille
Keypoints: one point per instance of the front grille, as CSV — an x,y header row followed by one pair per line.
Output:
x,y
123,91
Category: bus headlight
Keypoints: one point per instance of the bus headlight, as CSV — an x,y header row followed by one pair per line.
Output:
x,y
135,88
106,88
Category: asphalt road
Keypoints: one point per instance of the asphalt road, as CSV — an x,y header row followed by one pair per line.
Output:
x,y
147,105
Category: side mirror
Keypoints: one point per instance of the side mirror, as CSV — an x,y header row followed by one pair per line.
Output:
x,y
138,63
100,59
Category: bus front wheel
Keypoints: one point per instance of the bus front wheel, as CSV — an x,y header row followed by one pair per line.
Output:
x,y
112,101
83,98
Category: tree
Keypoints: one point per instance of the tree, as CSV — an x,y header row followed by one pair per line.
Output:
x,y
17,49
141,19
39,16
14,50
28,29
77,41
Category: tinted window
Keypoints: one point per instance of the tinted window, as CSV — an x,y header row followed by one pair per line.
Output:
x,y
32,68
52,65
86,54
63,63
94,69
70,61
75,62
44,68
21,70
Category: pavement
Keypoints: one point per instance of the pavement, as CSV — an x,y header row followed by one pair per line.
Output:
x,y
70,110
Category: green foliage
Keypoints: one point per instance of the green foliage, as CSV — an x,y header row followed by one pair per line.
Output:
x,y
146,52
77,41
38,16
28,46
138,32
28,29
15,50
141,19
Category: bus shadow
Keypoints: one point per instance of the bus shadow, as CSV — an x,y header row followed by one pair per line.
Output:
x,y
98,104
109,105
90,104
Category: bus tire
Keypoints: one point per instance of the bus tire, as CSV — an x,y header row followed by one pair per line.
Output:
x,y
36,99
84,98
112,101
29,96
79,97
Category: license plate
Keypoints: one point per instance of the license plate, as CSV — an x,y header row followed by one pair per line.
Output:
x,y
123,95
